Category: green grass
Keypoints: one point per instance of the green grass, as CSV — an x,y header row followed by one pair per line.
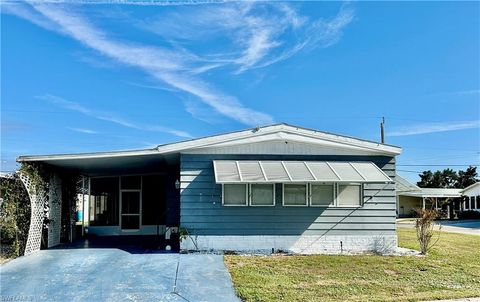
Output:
x,y
451,270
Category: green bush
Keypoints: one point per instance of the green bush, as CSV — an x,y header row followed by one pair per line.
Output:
x,y
14,216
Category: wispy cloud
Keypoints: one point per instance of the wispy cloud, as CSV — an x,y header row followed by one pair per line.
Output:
x,y
110,117
426,128
260,34
168,66
83,130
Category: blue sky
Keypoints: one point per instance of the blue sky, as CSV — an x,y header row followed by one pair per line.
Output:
x,y
94,77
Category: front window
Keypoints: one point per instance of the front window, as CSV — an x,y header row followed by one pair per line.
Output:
x,y
322,195
349,195
235,194
262,195
295,194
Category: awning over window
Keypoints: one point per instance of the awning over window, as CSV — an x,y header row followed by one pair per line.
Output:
x,y
247,171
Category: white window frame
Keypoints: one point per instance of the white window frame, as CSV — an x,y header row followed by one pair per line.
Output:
x,y
332,205
349,184
295,205
260,205
235,205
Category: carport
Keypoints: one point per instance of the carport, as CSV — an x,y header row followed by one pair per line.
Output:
x,y
124,198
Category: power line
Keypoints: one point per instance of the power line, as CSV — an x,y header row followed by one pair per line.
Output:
x,y
410,171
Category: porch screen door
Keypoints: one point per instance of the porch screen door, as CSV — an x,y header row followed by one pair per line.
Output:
x,y
130,210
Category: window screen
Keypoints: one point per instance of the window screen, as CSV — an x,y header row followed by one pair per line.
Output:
x,y
295,194
322,195
235,194
104,201
262,195
349,195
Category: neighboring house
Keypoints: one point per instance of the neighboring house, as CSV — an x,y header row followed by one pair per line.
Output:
x,y
411,197
277,187
472,197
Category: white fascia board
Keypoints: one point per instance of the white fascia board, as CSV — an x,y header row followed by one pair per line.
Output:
x,y
280,132
93,155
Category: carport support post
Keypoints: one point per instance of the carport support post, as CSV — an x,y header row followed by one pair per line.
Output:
x,y
423,203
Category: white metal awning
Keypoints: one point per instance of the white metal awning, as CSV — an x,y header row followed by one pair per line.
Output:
x,y
248,171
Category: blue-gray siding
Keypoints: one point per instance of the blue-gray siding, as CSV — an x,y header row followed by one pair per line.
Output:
x,y
201,209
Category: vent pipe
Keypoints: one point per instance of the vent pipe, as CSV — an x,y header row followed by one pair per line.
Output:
x,y
382,130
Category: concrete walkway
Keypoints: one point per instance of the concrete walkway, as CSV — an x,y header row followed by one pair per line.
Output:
x,y
469,227
115,275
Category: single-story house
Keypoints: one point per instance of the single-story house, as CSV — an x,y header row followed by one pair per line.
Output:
x,y
278,187
411,197
471,199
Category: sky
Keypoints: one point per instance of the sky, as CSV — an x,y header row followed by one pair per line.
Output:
x,y
79,76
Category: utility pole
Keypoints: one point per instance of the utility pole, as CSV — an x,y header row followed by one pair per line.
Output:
x,y
382,130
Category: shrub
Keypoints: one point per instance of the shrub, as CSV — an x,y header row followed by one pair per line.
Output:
x,y
14,216
425,225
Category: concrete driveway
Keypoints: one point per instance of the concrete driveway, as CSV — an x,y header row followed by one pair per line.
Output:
x,y
470,227
115,275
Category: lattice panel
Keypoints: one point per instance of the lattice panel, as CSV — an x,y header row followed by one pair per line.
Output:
x,y
37,202
55,210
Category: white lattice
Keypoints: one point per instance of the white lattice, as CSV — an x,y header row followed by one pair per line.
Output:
x,y
37,202
55,210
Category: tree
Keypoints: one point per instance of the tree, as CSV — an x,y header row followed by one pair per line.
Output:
x,y
448,178
467,177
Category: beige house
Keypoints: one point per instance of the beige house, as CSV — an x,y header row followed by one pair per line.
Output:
x,y
411,197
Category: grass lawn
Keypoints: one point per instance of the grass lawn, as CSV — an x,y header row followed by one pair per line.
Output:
x,y
451,270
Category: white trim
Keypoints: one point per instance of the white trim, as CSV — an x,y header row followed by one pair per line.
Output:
x,y
286,171
333,170
355,168
239,171
310,171
295,205
331,205
235,205
215,171
260,205
263,171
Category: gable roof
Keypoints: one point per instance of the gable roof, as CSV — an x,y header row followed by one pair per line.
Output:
x,y
470,187
403,185
248,136
280,132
